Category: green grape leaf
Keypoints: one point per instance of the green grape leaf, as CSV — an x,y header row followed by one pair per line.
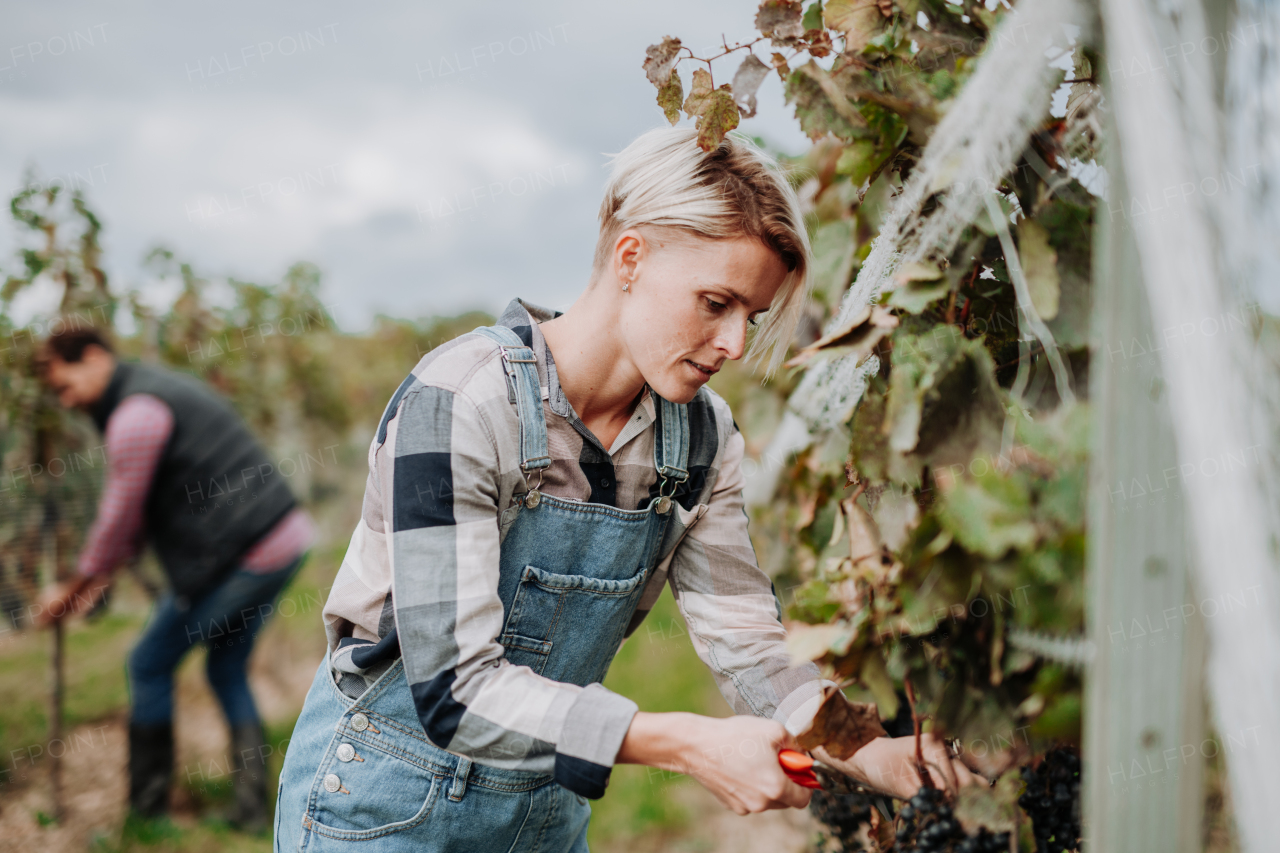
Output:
x,y
1039,264
876,678
660,61
870,452
820,107
716,112
1070,233
944,407
918,295
813,16
918,285
670,97
989,515
781,21
859,20
746,82
834,245
861,158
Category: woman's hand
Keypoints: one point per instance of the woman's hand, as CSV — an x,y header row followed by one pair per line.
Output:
x,y
889,765
735,758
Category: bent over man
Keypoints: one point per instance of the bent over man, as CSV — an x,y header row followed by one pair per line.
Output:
x,y
185,475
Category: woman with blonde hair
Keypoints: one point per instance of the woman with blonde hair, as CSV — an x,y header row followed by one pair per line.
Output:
x,y
532,486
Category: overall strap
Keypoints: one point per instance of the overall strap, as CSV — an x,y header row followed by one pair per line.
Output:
x,y
671,448
522,375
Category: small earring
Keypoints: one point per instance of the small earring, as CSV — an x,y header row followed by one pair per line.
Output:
x,y
625,285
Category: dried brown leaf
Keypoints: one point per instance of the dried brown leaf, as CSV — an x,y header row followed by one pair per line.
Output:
x,y
840,726
660,60
858,337
882,835
780,65
859,20
820,44
864,536
781,20
746,82
699,92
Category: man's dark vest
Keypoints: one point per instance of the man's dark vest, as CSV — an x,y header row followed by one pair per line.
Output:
x,y
215,492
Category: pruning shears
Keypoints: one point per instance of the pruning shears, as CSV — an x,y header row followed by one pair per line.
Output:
x,y
799,768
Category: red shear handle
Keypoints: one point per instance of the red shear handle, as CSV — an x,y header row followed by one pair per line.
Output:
x,y
799,768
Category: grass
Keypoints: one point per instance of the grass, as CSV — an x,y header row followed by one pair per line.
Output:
x,y
657,668
95,685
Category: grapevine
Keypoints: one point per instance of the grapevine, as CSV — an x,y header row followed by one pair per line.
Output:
x,y
930,548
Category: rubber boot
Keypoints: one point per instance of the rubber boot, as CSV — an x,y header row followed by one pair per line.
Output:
x,y
249,778
150,768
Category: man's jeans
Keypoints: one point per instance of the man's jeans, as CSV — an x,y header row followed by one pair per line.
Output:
x,y
226,620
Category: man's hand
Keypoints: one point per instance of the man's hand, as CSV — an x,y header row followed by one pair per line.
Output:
x,y
735,758
889,765
77,595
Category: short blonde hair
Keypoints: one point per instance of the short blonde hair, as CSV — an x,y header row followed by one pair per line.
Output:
x,y
736,190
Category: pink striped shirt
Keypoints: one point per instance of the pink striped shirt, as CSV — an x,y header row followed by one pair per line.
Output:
x,y
136,434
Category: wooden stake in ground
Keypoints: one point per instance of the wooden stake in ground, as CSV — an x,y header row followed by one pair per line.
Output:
x,y
50,533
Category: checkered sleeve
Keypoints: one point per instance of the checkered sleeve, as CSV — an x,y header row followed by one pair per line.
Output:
x,y
730,607
135,437
439,473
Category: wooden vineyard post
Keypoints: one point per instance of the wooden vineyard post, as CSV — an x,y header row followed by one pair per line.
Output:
x,y
49,530
1144,695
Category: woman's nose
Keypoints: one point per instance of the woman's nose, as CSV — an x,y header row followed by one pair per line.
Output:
x,y
732,339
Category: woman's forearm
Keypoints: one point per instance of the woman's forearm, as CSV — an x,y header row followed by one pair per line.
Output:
x,y
665,741
735,758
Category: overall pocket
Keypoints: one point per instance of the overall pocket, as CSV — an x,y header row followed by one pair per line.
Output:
x,y
361,793
568,627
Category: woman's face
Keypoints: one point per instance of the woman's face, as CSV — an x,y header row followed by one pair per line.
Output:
x,y
691,303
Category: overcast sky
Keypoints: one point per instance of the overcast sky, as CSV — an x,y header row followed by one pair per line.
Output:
x,y
247,136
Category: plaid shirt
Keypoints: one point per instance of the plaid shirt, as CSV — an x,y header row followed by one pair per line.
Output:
x,y
432,574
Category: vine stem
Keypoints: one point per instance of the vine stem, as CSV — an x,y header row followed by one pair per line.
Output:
x,y
925,781
727,50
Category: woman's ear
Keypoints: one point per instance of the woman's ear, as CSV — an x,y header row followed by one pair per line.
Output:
x,y
629,250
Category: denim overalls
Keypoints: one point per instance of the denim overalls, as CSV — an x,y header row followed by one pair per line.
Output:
x,y
361,775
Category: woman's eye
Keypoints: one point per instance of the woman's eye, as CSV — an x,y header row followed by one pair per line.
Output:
x,y
716,306
754,321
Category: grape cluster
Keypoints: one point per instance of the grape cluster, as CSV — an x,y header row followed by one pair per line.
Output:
x,y
927,825
843,807
1052,801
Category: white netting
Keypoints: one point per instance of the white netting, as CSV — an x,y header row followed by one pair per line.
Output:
x,y
978,141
